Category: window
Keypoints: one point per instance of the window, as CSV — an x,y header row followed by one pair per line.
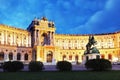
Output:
x,y
26,56
69,47
10,56
70,57
109,56
103,56
82,48
76,57
18,56
75,47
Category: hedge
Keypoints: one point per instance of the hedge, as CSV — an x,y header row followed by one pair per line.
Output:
x,y
64,66
35,66
98,64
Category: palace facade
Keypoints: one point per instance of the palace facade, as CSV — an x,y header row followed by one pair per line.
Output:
x,y
40,42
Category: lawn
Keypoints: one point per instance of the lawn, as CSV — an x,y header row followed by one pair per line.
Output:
x,y
74,75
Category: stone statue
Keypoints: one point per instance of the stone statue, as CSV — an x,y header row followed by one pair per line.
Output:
x,y
90,43
91,51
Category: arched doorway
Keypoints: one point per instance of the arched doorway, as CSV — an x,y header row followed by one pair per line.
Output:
x,y
1,55
49,56
26,56
18,56
10,56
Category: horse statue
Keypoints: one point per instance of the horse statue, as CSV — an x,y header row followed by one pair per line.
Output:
x,y
90,43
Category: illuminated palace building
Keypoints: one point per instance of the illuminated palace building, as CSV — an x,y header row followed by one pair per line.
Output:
x,y
40,42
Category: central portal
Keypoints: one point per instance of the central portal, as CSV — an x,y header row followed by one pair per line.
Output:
x,y
49,56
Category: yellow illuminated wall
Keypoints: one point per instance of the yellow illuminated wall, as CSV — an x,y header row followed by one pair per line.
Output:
x,y
58,47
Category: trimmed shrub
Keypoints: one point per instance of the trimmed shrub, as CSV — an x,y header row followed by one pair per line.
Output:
x,y
13,66
35,66
98,64
64,66
17,65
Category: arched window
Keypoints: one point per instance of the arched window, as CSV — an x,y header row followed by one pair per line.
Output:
x,y
10,56
109,56
76,57
70,57
1,55
26,56
103,56
18,56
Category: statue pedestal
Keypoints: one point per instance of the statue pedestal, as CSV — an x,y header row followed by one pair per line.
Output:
x,y
89,56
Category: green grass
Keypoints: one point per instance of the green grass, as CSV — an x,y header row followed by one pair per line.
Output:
x,y
79,75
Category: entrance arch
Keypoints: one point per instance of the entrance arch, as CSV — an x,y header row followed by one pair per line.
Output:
x,y
49,56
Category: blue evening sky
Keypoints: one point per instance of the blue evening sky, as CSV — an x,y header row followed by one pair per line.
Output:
x,y
70,16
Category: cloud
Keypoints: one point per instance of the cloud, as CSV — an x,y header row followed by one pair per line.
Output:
x,y
78,16
103,21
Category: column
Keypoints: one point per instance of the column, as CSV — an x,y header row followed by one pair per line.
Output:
x,y
6,57
22,38
14,56
29,57
39,38
33,55
49,38
29,40
13,39
6,37
22,57
45,56
34,37
52,38
3,38
50,41
37,42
